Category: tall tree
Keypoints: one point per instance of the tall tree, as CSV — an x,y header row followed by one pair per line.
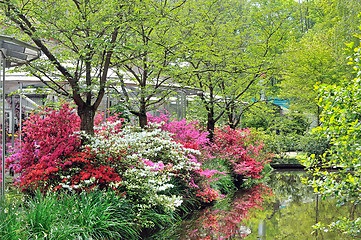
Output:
x,y
78,39
306,63
229,46
149,55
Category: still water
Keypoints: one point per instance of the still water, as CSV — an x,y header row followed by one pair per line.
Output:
x,y
280,208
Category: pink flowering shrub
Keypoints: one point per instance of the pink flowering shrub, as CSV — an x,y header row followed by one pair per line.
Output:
x,y
185,132
244,155
48,137
110,125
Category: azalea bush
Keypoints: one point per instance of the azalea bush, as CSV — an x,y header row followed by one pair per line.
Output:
x,y
150,163
191,135
185,132
48,136
81,171
241,151
50,156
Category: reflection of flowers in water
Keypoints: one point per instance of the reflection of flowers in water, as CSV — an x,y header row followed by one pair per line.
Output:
x,y
224,224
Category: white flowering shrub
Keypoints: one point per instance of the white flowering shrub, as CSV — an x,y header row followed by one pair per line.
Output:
x,y
150,164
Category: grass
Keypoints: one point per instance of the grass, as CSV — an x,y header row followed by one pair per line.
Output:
x,y
95,215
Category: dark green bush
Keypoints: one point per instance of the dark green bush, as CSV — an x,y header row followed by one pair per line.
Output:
x,y
311,144
281,143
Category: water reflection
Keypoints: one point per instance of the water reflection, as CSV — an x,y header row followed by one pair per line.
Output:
x,y
280,208
292,210
226,223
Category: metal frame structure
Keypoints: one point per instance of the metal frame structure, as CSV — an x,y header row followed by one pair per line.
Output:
x,y
13,53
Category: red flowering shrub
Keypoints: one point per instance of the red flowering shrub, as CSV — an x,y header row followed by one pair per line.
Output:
x,y
79,172
50,157
244,155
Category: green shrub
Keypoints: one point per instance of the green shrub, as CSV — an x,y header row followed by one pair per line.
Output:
x,y
281,143
311,144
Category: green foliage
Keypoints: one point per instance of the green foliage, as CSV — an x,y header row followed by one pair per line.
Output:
x,y
266,116
11,226
281,143
314,145
258,116
122,110
280,134
229,49
95,215
306,62
316,54
289,124
224,183
341,126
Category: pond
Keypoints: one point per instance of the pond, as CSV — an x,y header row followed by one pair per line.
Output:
x,y
280,208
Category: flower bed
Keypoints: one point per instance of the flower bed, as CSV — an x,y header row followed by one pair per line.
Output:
x,y
160,170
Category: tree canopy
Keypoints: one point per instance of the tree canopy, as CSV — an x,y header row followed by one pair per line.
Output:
x,y
78,40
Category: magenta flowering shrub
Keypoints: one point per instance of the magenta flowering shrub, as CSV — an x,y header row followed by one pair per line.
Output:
x,y
48,136
185,132
243,153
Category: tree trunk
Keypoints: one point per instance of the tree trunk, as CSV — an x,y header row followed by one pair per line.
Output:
x,y
86,114
143,120
230,114
211,125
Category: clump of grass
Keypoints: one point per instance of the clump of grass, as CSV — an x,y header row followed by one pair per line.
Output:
x,y
94,215
11,220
